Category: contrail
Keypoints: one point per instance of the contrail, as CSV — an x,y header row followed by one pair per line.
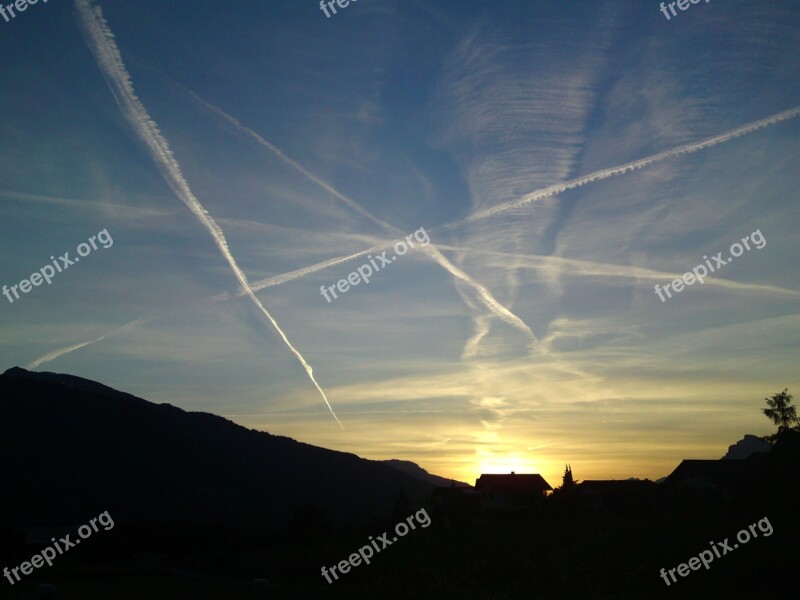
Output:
x,y
355,206
588,268
83,204
101,42
484,295
255,286
558,188
298,273
60,352
526,261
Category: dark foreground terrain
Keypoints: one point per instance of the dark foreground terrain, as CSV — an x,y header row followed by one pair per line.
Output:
x,y
205,509
543,558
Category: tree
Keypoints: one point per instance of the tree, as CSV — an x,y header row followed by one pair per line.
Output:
x,y
567,482
782,413
565,496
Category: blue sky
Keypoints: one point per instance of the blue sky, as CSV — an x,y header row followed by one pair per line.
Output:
x,y
527,334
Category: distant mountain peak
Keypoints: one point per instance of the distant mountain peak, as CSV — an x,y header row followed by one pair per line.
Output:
x,y
746,447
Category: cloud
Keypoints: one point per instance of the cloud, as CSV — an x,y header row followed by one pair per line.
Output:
x,y
135,211
631,166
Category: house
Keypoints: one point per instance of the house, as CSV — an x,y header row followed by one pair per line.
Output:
x,y
617,495
503,492
714,483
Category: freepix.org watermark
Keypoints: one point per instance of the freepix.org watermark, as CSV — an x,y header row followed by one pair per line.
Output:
x,y
330,4
365,552
700,272
47,272
48,554
682,4
706,557
364,272
19,5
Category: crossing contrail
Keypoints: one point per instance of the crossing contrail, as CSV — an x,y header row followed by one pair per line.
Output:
x,y
105,50
484,296
100,40
255,286
355,206
524,261
558,188
589,268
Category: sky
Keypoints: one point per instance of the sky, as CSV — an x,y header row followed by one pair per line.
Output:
x,y
551,162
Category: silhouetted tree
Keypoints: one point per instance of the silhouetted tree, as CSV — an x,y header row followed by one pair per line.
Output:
x,y
565,497
782,413
567,482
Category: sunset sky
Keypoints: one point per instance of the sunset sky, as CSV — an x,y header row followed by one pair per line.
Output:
x,y
219,143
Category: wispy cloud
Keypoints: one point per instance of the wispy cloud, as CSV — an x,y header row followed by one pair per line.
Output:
x,y
135,211
558,188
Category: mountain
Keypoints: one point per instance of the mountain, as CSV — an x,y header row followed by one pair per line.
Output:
x,y
72,448
746,447
413,469
72,381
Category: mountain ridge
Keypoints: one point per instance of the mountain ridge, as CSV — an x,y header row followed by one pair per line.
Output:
x,y
98,449
413,469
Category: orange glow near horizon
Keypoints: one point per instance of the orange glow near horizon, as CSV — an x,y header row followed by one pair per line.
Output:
x,y
508,464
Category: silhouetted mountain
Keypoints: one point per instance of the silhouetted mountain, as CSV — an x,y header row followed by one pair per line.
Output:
x,y
72,381
746,447
72,448
413,469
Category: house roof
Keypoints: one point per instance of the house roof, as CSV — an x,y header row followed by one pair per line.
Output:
x,y
512,483
720,472
618,486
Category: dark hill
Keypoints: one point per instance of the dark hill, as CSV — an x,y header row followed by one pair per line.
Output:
x,y
412,468
71,448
